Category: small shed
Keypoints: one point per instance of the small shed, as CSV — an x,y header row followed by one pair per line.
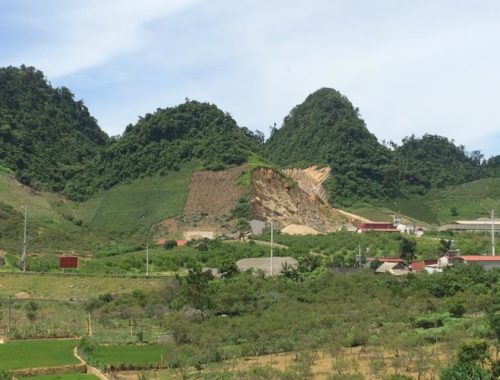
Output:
x,y
68,262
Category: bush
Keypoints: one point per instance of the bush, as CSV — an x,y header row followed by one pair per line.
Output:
x,y
4,375
169,244
465,371
475,351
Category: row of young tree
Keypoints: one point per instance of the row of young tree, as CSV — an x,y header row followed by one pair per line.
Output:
x,y
444,324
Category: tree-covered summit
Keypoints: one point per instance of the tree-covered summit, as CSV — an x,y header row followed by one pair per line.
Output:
x,y
45,134
326,129
163,141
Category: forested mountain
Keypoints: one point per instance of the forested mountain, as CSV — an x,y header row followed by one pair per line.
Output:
x,y
52,142
45,135
162,141
327,130
436,162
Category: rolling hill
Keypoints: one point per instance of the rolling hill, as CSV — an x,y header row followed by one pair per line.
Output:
x,y
46,136
192,166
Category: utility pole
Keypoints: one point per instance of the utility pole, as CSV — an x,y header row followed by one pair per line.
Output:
x,y
492,232
10,312
272,230
24,257
147,259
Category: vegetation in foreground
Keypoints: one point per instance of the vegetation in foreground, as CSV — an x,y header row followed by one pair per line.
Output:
x,y
424,321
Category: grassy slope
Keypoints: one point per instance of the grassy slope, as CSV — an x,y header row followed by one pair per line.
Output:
x,y
471,201
36,353
67,287
130,209
123,213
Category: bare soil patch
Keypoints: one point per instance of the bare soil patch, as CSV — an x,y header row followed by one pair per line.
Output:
x,y
212,195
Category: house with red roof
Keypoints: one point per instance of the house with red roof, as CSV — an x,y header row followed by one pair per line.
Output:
x,y
487,262
376,227
419,266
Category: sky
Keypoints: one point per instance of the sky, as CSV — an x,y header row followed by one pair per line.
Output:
x,y
412,67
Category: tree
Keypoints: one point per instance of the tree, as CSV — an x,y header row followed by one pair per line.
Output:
x,y
195,290
465,371
32,311
227,267
407,249
444,246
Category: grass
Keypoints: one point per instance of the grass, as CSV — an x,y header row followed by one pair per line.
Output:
x,y
131,209
72,286
5,171
468,201
253,163
66,376
149,354
37,353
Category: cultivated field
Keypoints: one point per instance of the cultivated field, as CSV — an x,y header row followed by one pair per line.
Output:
x,y
68,376
37,353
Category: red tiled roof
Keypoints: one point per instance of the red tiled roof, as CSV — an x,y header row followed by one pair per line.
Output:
x,y
389,259
479,258
418,266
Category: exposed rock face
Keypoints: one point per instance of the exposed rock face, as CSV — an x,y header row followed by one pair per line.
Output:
x,y
273,192
311,180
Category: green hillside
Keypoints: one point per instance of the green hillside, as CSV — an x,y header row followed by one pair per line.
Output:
x,y
162,142
467,201
327,130
470,200
127,211
45,134
118,218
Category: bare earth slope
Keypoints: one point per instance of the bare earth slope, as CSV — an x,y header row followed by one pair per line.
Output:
x,y
271,191
212,195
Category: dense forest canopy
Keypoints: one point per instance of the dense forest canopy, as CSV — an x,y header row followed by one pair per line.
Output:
x,y
51,141
163,141
326,129
45,135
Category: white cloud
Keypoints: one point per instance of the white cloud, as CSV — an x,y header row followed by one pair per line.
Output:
x,y
84,34
411,67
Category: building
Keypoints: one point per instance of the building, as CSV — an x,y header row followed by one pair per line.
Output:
x,y
410,229
479,225
395,268
199,235
376,227
419,266
487,262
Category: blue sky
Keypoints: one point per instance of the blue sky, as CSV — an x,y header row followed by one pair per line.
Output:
x,y
410,66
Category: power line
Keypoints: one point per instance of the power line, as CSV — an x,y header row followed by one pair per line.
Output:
x,y
24,256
